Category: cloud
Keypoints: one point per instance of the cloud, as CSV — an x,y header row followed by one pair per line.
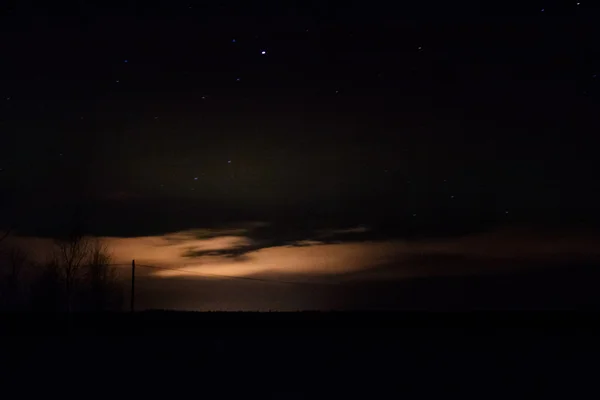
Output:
x,y
333,232
233,251
312,259
393,259
202,265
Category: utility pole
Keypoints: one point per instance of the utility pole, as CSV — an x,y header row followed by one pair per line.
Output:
x,y
132,284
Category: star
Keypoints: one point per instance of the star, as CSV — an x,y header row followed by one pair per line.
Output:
x,y
263,52
117,81
155,117
414,215
506,212
542,10
594,76
195,178
237,79
451,197
8,98
125,61
420,47
228,161
233,41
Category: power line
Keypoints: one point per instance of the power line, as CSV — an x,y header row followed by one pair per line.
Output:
x,y
227,276
234,277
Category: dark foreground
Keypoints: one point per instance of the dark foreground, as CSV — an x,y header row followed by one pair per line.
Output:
x,y
302,355
329,355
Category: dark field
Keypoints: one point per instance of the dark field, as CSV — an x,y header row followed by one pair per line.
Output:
x,y
550,346
304,355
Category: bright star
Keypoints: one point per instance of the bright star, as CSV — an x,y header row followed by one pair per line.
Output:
x,y
263,52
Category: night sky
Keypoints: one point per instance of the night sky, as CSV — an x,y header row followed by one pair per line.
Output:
x,y
166,117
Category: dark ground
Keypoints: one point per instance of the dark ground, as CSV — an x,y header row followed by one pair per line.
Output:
x,y
298,356
483,354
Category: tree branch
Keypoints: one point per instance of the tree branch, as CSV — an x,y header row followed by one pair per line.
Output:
x,y
5,234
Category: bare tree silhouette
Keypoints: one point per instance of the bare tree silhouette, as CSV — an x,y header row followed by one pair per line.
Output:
x,y
14,262
4,235
48,289
103,289
71,255
84,266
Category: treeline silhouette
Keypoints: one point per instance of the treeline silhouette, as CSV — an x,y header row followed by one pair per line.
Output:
x,y
77,276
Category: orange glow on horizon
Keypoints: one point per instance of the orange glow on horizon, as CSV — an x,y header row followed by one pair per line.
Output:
x,y
316,259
